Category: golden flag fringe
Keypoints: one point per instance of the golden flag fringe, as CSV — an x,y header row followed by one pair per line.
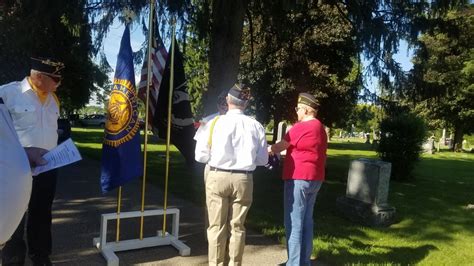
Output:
x,y
148,84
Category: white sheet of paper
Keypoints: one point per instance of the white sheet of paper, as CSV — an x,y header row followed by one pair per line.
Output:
x,y
63,154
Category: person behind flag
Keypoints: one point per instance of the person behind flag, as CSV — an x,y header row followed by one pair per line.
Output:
x,y
221,106
235,146
34,107
303,173
121,151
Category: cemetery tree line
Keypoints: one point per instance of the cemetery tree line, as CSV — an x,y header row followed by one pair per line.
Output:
x,y
442,79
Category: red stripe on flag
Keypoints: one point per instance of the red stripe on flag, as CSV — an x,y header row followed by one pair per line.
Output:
x,y
158,67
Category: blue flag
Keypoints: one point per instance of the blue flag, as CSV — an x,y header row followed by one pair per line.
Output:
x,y
121,151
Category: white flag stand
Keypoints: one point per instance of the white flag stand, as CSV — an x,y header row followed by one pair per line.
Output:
x,y
108,249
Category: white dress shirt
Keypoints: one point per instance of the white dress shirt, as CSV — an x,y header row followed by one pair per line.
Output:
x,y
36,124
238,143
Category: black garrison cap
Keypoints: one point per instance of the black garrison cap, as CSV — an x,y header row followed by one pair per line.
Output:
x,y
47,66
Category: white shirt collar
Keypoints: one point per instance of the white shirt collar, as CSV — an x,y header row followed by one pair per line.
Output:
x,y
235,111
25,85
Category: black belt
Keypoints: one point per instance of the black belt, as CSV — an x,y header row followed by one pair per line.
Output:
x,y
212,168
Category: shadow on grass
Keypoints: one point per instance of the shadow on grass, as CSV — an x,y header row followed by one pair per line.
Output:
x,y
378,254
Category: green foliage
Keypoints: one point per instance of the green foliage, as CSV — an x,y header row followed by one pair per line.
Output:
x,y
308,48
364,117
443,74
197,72
58,29
89,110
402,136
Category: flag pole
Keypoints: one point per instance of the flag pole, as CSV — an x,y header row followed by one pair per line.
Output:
x,y
148,83
119,204
168,133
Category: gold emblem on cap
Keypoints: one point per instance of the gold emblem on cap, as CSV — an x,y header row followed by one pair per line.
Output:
x,y
57,65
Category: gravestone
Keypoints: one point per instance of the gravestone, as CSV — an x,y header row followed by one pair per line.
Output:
x,y
328,133
466,146
366,199
450,143
282,130
367,138
428,146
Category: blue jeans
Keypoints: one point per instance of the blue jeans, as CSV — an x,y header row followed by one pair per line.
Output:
x,y
299,199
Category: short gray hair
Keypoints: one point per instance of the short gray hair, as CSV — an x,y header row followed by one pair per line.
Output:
x,y
34,72
236,101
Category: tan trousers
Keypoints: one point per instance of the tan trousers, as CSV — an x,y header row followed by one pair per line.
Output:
x,y
228,198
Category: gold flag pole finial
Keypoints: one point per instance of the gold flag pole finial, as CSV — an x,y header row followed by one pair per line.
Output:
x,y
148,84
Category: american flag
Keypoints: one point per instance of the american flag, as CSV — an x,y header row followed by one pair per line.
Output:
x,y
158,58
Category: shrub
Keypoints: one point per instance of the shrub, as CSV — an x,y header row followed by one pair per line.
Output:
x,y
400,143
269,127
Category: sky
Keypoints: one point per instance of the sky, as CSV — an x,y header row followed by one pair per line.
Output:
x,y
403,57
111,46
114,36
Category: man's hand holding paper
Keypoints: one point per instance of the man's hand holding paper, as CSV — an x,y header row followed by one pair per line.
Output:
x,y
64,154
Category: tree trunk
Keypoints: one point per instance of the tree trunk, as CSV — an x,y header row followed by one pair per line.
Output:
x,y
458,136
224,48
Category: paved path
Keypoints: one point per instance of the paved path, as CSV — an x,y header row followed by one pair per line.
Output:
x,y
76,221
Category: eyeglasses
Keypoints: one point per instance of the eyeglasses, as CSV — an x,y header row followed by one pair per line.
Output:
x,y
298,108
55,79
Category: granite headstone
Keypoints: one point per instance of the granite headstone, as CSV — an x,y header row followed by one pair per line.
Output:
x,y
366,199
428,146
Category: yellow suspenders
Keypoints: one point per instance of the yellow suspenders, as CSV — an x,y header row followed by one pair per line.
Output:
x,y
209,141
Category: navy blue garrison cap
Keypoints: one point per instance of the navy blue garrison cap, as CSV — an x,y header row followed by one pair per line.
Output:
x,y
241,92
47,66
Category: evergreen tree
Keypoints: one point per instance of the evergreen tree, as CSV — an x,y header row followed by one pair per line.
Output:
x,y
442,77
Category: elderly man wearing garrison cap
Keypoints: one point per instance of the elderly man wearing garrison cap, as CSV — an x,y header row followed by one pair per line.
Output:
x,y
34,108
235,145
303,174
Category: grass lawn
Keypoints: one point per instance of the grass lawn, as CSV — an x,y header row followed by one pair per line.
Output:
x,y
433,226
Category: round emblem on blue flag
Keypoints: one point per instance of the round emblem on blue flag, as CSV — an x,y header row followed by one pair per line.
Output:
x,y
122,114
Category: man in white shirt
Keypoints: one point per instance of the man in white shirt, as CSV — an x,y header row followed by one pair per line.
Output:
x,y
235,145
35,110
